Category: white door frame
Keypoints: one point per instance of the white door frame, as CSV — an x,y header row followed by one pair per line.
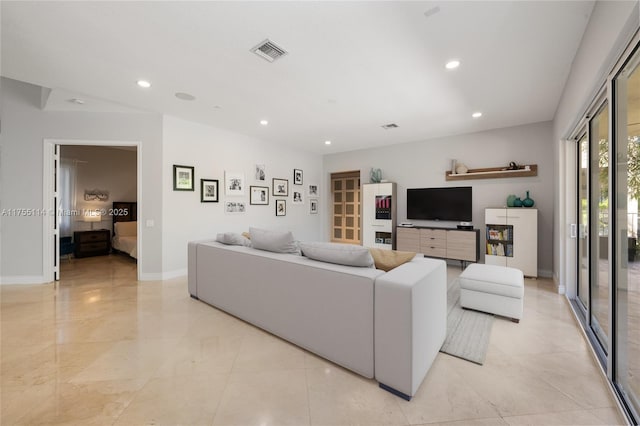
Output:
x,y
48,248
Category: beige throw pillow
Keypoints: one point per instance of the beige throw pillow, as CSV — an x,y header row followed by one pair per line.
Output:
x,y
389,259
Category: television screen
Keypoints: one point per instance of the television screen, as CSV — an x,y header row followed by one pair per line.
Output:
x,y
452,203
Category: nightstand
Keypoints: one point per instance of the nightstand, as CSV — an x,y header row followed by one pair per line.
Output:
x,y
92,243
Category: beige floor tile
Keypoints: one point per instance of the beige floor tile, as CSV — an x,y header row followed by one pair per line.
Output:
x,y
96,403
128,359
582,417
340,397
264,398
492,421
444,396
266,352
513,390
207,355
176,400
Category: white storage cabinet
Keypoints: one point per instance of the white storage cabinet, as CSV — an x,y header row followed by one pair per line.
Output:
x,y
512,238
378,215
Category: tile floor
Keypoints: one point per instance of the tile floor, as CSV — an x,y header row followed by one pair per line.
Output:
x,y
100,348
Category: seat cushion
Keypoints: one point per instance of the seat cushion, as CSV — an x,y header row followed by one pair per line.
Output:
x,y
492,279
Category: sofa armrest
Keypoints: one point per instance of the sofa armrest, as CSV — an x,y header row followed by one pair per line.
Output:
x,y
410,323
192,256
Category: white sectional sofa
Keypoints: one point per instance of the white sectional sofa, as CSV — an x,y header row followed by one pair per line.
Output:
x,y
389,326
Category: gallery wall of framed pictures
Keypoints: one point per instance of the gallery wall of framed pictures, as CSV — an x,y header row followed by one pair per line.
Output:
x,y
235,189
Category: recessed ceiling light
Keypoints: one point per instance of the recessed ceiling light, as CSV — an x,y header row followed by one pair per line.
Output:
x,y
264,122
144,83
185,96
76,101
217,107
476,115
327,142
452,65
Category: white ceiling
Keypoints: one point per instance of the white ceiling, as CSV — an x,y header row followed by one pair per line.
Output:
x,y
351,67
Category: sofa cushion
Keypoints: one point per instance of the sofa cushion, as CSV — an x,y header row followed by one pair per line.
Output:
x,y
233,239
275,241
342,254
389,259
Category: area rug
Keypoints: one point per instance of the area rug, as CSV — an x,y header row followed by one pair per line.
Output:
x,y
468,332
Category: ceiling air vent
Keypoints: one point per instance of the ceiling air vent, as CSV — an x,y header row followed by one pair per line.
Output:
x,y
269,50
390,126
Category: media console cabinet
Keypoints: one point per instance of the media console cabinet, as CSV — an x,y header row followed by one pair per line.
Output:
x,y
443,243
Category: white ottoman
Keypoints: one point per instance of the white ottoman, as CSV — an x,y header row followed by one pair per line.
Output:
x,y
497,290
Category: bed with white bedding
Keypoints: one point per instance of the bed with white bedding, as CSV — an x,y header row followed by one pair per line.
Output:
x,y
125,238
125,228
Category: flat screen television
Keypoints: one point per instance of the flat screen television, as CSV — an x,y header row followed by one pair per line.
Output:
x,y
451,203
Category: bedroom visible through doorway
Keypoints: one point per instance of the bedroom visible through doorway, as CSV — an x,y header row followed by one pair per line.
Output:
x,y
95,194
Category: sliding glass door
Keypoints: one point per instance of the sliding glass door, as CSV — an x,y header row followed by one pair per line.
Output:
x,y
599,208
583,222
626,90
593,225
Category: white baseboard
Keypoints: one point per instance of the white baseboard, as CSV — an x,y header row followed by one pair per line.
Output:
x,y
160,276
174,274
23,279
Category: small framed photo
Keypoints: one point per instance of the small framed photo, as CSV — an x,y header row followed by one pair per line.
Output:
x,y
182,178
234,183
260,173
234,207
280,187
313,206
313,191
259,195
208,190
297,177
281,207
297,197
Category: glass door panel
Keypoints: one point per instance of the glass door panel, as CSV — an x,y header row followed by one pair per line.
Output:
x,y
599,214
626,89
583,221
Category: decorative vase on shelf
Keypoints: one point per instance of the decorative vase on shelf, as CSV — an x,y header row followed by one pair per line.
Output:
x,y
461,169
517,202
528,202
375,175
510,200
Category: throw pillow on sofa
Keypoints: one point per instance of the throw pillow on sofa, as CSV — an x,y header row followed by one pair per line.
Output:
x,y
275,241
342,254
233,239
389,259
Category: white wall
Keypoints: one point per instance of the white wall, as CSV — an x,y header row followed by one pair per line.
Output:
x,y
610,28
24,127
423,164
212,152
110,169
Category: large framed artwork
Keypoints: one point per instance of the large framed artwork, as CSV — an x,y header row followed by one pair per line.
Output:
x,y
208,190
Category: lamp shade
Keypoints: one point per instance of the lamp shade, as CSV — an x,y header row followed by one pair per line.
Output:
x,y
92,216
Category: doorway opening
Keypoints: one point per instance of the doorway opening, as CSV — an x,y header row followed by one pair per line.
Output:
x,y
94,188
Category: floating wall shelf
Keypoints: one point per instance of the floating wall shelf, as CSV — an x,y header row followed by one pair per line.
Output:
x,y
494,173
